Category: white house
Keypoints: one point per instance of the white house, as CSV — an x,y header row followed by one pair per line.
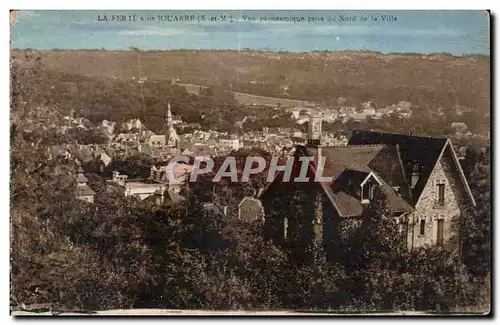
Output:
x,y
231,143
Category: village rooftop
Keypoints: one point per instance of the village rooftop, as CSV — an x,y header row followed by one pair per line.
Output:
x,y
252,166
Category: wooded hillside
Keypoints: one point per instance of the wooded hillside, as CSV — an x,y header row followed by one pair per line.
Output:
x,y
425,80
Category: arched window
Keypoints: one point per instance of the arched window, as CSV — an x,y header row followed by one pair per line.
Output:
x,y
368,188
367,191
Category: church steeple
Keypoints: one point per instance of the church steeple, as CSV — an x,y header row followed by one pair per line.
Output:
x,y
169,116
171,137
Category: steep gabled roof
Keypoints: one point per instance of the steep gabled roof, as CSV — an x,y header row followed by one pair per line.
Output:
x,y
353,157
349,205
349,166
389,157
338,159
458,168
422,149
461,172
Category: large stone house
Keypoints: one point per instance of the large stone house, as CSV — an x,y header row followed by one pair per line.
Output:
x,y
423,182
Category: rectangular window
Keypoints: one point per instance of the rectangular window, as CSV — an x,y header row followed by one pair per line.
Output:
x,y
422,227
440,232
440,194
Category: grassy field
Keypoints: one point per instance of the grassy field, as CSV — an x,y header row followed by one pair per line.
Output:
x,y
249,99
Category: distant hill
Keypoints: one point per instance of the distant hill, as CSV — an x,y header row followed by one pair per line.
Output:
x,y
97,98
428,81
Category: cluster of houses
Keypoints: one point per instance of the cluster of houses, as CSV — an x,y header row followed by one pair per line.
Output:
x,y
420,177
157,188
131,137
344,113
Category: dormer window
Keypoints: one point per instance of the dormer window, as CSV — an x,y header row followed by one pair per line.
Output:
x,y
368,188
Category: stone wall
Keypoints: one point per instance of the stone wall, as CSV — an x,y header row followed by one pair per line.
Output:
x,y
428,209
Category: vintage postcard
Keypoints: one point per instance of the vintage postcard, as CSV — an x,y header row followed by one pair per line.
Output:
x,y
250,162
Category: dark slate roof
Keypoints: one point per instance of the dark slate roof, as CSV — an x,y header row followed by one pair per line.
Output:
x,y
340,158
348,177
350,165
422,149
348,206
397,202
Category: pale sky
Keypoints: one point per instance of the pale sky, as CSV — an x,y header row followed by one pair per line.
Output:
x,y
455,32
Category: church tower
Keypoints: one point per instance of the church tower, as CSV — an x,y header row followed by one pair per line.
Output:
x,y
314,131
171,137
168,118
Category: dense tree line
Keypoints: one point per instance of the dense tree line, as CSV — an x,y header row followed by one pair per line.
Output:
x,y
477,226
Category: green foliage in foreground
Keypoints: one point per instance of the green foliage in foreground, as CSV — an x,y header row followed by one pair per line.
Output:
x,y
119,253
